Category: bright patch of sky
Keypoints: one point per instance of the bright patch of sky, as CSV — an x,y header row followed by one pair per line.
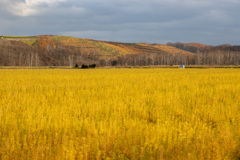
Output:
x,y
30,7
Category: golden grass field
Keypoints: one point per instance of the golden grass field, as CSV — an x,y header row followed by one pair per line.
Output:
x,y
120,114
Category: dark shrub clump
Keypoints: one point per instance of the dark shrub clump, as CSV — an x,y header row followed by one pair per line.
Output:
x,y
92,66
114,63
84,66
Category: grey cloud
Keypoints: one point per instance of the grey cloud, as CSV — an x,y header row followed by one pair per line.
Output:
x,y
212,22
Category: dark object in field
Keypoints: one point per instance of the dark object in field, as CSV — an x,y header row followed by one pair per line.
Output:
x,y
84,66
88,66
114,63
92,66
76,66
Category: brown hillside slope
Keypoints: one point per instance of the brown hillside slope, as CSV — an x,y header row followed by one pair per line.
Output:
x,y
68,51
62,51
137,48
198,45
190,47
117,48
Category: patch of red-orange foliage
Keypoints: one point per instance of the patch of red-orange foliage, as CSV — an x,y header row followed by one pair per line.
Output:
x,y
45,43
199,45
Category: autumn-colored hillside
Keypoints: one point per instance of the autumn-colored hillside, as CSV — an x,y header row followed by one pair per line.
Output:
x,y
138,48
198,45
51,50
190,47
100,47
117,48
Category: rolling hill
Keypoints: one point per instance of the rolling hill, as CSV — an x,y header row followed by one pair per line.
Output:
x,y
49,50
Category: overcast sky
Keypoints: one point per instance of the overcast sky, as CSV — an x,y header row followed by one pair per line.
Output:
x,y
155,21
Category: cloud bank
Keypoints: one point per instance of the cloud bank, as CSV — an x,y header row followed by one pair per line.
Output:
x,y
154,21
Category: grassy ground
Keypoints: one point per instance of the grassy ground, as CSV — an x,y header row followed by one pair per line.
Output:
x,y
27,40
120,114
35,67
119,67
18,37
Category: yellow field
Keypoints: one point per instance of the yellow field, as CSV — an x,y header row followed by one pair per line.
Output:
x,y
120,114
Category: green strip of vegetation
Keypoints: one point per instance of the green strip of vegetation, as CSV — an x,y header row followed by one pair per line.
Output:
x,y
61,38
30,42
17,37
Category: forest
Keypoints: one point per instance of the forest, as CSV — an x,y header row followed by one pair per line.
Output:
x,y
69,51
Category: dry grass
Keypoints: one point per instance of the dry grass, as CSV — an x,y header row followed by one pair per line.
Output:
x,y
120,114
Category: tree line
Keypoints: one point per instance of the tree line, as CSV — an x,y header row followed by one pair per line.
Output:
x,y
46,53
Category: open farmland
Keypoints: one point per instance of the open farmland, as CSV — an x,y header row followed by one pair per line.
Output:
x,y
120,114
